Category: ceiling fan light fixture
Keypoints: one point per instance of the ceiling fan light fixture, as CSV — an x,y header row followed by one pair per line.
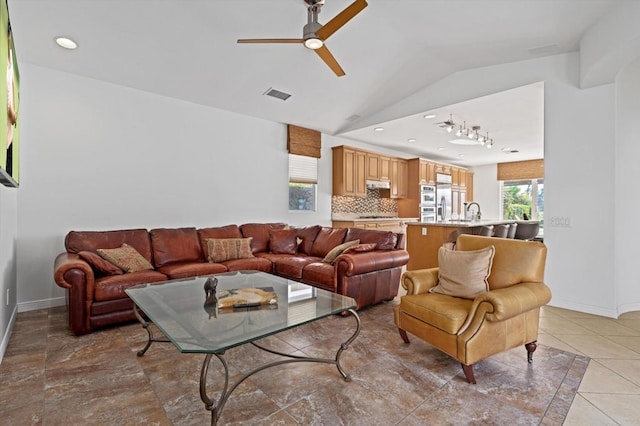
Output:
x,y
313,43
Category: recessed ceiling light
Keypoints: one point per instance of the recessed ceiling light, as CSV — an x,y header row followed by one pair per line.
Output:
x,y
460,155
379,129
441,148
411,140
430,116
506,149
67,43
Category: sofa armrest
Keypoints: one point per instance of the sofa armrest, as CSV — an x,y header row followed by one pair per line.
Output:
x,y
66,262
504,303
420,280
351,263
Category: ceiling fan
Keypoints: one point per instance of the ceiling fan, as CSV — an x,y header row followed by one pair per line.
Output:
x,y
314,34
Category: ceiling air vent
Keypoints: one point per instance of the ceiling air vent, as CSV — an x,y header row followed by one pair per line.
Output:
x,y
277,94
353,117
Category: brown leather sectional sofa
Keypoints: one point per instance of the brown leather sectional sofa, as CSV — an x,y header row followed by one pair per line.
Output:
x,y
96,299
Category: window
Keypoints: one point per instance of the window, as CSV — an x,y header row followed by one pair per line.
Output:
x,y
303,182
523,199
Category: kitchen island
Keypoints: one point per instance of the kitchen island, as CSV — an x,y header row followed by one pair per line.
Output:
x,y
376,222
424,239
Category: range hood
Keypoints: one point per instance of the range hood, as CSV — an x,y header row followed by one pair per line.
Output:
x,y
378,184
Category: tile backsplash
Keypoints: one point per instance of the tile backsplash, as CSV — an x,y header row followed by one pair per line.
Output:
x,y
372,203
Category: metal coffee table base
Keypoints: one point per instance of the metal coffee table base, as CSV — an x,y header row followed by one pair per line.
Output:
x,y
216,407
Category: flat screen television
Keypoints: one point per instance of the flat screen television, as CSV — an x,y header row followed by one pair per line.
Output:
x,y
9,103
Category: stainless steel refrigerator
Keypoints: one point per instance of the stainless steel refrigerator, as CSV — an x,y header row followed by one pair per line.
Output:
x,y
443,197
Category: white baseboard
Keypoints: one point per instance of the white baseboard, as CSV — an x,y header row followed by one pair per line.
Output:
x,y
7,333
41,304
588,309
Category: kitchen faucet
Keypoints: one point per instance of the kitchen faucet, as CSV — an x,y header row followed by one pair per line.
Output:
x,y
478,214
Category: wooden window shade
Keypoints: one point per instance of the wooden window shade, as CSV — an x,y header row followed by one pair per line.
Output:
x,y
519,170
301,141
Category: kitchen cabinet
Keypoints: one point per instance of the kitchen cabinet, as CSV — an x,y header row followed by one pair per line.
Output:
x,y
427,173
399,178
373,166
469,179
455,174
398,226
462,178
385,168
377,166
349,168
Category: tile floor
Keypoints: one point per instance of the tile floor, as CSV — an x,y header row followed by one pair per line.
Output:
x,y
50,377
609,393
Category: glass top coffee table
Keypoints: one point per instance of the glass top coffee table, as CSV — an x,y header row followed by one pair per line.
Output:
x,y
186,312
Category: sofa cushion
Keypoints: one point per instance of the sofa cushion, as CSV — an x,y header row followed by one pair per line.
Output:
x,y
292,266
191,269
126,258
228,231
283,241
321,275
252,264
113,286
327,239
77,241
175,245
307,235
384,240
338,250
221,249
99,264
260,234
463,273
361,248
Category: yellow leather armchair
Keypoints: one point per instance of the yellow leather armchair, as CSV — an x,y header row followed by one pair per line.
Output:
x,y
500,319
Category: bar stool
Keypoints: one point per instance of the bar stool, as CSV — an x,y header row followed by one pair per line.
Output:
x,y
513,227
501,231
527,230
486,230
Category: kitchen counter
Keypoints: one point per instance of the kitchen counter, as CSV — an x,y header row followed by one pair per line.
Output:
x,y
377,222
424,239
462,223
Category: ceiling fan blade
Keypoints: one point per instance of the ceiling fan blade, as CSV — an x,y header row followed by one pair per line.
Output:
x,y
340,19
271,40
328,59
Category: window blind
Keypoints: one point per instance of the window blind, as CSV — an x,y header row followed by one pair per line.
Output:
x,y
301,141
519,170
303,169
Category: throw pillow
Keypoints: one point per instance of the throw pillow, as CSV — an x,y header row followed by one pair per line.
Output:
x,y
283,241
464,273
99,264
338,250
126,258
222,249
360,248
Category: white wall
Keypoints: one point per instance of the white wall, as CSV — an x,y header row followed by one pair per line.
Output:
x,y
98,156
486,190
8,237
627,195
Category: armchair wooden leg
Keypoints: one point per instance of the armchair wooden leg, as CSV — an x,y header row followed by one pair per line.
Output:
x,y
531,348
468,372
404,336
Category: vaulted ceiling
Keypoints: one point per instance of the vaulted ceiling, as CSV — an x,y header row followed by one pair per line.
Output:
x,y
187,50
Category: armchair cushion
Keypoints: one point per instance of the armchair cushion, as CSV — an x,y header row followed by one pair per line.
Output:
x,y
464,273
441,311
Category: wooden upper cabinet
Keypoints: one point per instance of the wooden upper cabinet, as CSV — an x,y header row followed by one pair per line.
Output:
x,y
349,167
455,174
469,179
385,168
462,178
439,168
424,172
431,173
373,166
361,176
446,169
399,178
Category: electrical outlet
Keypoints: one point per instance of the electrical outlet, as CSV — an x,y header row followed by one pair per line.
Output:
x,y
424,231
